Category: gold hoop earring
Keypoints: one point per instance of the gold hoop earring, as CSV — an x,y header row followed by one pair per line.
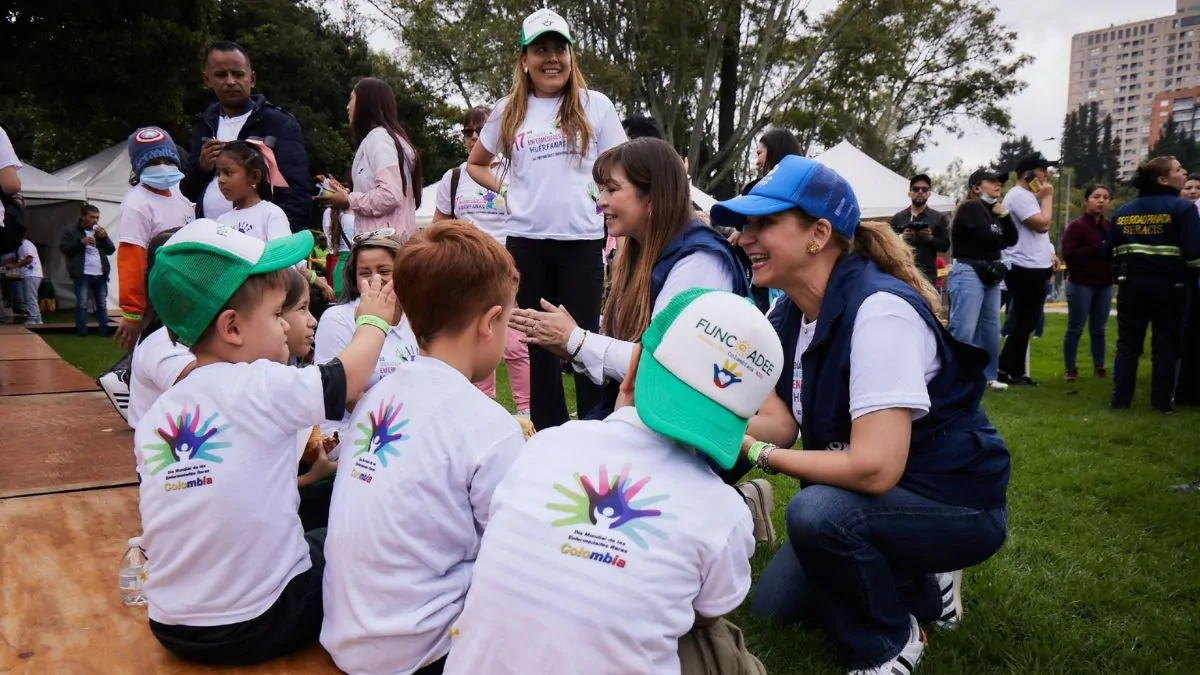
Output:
x,y
813,247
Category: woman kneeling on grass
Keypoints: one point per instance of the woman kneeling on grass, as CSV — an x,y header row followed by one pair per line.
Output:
x,y
904,476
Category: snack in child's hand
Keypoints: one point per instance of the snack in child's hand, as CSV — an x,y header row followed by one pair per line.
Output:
x,y
317,441
526,426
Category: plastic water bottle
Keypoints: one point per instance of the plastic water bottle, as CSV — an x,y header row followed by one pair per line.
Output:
x,y
133,573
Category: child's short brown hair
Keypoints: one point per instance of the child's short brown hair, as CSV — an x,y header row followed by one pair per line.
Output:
x,y
449,274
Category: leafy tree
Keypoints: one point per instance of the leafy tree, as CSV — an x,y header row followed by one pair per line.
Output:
x,y
1089,146
906,68
953,181
1173,140
1012,149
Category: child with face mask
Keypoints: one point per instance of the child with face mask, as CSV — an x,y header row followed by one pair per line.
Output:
x,y
154,205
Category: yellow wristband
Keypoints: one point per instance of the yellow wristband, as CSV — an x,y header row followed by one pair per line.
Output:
x,y
372,320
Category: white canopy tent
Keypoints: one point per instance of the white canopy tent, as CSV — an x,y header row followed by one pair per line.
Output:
x,y
881,192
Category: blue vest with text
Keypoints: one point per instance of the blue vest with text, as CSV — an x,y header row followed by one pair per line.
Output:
x,y
955,454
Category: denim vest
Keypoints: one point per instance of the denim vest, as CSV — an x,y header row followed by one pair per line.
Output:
x,y
955,454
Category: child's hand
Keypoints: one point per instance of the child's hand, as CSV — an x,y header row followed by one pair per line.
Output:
x,y
321,467
376,298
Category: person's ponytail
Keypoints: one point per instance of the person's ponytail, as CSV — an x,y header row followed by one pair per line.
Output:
x,y
875,241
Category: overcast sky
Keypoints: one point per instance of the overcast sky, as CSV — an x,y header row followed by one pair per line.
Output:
x,y
1044,29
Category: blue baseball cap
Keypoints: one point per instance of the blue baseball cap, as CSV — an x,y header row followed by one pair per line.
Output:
x,y
795,182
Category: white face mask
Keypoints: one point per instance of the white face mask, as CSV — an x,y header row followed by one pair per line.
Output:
x,y
987,199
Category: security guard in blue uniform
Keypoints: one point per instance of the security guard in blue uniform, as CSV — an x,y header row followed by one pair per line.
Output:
x,y
1153,242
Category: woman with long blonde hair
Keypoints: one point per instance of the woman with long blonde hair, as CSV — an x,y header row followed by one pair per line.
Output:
x,y
904,476
551,128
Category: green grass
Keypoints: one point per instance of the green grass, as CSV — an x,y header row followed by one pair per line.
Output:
x,y
1100,572
92,354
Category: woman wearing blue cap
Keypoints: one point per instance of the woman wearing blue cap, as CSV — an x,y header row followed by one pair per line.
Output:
x,y
904,476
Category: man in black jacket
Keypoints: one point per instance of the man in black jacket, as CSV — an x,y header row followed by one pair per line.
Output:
x,y
238,115
86,247
926,230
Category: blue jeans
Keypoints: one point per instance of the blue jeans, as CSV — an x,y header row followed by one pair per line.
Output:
x,y
30,286
1090,305
975,313
859,565
96,288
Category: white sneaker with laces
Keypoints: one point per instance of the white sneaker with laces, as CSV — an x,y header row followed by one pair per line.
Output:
x,y
950,584
760,499
117,391
997,385
906,661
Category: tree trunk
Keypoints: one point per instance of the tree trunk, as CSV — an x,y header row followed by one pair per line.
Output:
x,y
727,94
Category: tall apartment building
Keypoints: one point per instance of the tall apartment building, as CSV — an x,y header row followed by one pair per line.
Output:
x,y
1132,72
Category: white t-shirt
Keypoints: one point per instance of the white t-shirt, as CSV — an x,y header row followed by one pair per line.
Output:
x,y
91,257
144,214
34,269
264,220
217,459
157,363
601,356
336,329
8,156
1033,250
474,204
607,578
347,221
893,356
420,460
228,129
551,194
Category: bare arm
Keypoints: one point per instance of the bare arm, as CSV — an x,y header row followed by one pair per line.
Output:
x,y
774,423
438,216
872,464
479,168
10,181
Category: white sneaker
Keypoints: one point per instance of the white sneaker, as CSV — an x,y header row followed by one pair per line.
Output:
x,y
996,385
117,391
760,499
950,584
906,661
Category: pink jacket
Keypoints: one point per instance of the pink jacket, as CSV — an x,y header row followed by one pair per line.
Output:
x,y
379,199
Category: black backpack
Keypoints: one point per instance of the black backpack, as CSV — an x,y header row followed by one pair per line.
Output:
x,y
13,231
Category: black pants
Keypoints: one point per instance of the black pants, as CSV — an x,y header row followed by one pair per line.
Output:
x,y
1158,302
1027,288
292,623
1187,391
571,274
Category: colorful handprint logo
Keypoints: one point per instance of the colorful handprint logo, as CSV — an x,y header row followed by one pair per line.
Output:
x,y
491,198
594,195
381,436
611,503
185,439
726,375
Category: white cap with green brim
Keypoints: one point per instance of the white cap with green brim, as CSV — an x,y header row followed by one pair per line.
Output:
x,y
544,21
202,265
709,361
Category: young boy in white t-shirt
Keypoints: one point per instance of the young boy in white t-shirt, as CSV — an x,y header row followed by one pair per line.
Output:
x,y
419,460
233,578
610,541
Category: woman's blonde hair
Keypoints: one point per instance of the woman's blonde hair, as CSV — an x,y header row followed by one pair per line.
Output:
x,y
876,241
654,169
572,115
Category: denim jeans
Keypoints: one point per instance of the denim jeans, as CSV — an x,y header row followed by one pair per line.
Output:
x,y
859,565
975,313
96,288
30,288
1090,305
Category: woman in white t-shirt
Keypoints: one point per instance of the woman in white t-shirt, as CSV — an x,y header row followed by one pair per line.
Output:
x,y
904,478
372,253
386,173
461,198
28,265
551,128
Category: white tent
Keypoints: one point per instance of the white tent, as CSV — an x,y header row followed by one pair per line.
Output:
x,y
881,192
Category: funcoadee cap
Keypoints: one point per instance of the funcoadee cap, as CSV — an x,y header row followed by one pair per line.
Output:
x,y
202,265
709,360
795,182
544,21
